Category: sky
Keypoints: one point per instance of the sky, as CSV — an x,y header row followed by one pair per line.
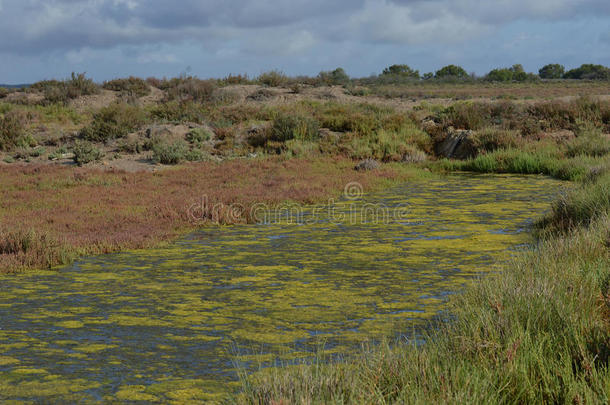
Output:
x,y
44,39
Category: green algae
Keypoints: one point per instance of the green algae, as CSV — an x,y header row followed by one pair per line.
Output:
x,y
166,325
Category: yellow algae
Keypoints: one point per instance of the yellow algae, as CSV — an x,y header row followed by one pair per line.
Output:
x,y
8,361
94,348
258,293
73,324
134,393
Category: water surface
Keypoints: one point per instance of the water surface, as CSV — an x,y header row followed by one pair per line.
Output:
x,y
167,324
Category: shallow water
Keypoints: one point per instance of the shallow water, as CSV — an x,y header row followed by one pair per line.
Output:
x,y
168,324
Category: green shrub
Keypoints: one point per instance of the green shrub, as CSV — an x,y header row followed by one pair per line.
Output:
x,y
451,71
168,153
491,139
132,86
178,111
197,136
337,76
189,88
85,152
196,155
589,141
589,72
114,121
400,70
4,92
551,71
300,127
466,115
56,91
12,129
274,78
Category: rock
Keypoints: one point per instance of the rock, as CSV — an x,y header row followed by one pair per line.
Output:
x,y
367,164
457,144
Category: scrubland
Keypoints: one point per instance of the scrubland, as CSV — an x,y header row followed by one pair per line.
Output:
x,y
90,168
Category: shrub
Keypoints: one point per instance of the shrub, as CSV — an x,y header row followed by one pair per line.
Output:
x,y
56,91
114,121
400,70
178,111
337,76
274,78
232,79
169,153
4,92
85,152
196,155
589,72
198,135
189,88
451,71
590,141
132,86
491,139
513,73
12,129
300,127
551,71
466,115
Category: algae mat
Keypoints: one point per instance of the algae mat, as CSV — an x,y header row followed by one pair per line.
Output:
x,y
169,324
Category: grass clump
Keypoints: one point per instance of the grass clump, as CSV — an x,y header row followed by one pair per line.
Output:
x,y
85,152
190,88
589,141
114,121
131,86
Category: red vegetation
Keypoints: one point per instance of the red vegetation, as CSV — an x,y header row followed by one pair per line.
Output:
x,y
50,215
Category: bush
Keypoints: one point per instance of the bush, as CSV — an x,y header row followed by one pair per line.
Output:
x,y
400,70
85,152
590,141
274,78
589,72
189,88
175,111
4,92
551,71
337,76
114,121
12,129
198,135
513,73
491,139
132,86
169,153
300,127
451,71
56,91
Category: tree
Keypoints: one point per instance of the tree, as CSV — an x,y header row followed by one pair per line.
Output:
x,y
451,71
589,72
513,73
337,76
400,70
551,71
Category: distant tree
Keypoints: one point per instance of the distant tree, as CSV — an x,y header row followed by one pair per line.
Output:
x,y
590,72
337,76
451,71
428,76
513,73
551,71
401,70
